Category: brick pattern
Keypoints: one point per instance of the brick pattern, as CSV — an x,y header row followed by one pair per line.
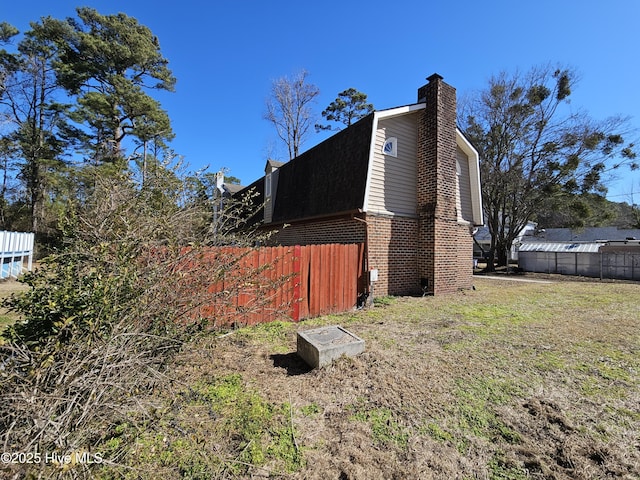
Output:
x,y
445,259
393,250
338,230
392,246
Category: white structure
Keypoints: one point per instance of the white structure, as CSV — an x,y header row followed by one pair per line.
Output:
x,y
16,249
483,238
613,259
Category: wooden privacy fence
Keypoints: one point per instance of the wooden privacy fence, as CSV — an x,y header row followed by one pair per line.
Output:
x,y
249,286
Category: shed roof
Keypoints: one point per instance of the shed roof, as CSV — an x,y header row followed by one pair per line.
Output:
x,y
274,164
589,234
561,247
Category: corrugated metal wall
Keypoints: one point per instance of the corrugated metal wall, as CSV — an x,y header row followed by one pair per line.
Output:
x,y
614,265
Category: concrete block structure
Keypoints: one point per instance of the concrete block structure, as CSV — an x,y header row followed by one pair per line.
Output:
x,y
321,346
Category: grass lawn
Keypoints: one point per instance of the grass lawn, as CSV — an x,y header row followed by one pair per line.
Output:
x,y
7,287
510,381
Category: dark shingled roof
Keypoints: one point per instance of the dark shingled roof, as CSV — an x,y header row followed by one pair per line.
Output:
x,y
330,178
232,188
253,204
274,163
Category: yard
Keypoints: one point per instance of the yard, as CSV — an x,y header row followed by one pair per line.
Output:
x,y
8,287
512,380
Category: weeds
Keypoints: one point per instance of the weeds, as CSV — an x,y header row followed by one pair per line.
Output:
x,y
385,428
275,334
477,399
256,434
310,410
492,384
384,301
437,433
501,470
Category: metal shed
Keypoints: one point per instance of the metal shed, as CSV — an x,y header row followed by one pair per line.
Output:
x,y
601,259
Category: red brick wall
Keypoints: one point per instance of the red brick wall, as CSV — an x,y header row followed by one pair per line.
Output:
x,y
393,250
337,230
445,259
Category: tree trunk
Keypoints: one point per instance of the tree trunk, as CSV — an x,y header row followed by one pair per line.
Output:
x,y
502,257
502,252
491,258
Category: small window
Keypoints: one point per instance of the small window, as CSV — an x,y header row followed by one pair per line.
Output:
x,y
390,147
267,185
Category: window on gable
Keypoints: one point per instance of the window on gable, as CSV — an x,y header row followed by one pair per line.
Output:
x,y
390,147
267,185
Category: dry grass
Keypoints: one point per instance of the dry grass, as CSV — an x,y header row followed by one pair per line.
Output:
x,y
7,288
510,381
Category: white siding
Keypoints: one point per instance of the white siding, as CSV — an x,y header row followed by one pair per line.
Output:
x,y
463,188
393,179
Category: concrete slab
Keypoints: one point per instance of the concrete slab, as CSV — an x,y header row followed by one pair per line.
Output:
x,y
320,346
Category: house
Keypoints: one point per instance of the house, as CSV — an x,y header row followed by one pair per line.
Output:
x,y
16,250
403,181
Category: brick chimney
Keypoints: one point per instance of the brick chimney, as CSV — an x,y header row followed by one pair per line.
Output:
x,y
439,231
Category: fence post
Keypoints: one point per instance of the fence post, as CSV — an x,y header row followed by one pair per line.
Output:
x,y
600,251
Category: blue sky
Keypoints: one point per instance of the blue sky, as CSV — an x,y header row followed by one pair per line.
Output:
x,y
225,56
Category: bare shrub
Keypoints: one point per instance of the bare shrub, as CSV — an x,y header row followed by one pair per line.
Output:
x,y
105,314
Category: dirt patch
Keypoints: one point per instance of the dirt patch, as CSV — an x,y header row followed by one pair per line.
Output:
x,y
9,286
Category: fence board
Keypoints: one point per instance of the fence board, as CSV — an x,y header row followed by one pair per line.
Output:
x,y
305,281
338,279
315,280
295,291
325,293
349,284
269,297
330,289
356,269
280,273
